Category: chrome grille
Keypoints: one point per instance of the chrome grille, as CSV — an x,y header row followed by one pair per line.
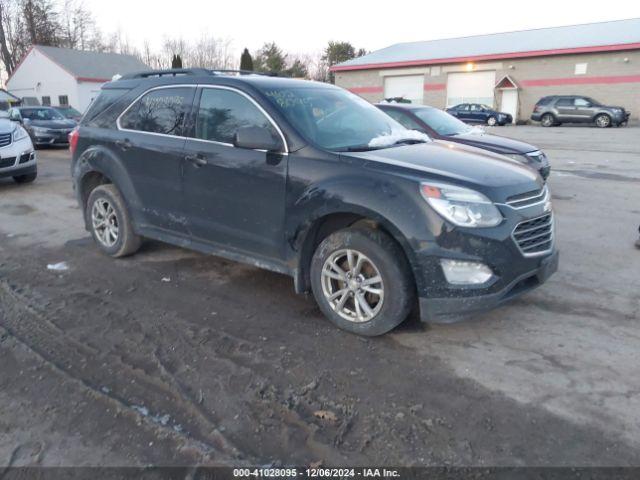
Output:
x,y
535,236
5,139
529,199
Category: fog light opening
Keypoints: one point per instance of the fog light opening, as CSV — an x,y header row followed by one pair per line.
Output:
x,y
459,272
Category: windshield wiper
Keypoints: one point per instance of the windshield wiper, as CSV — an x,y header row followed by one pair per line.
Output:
x,y
407,141
358,148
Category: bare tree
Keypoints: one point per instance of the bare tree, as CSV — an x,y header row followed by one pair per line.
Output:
x,y
211,52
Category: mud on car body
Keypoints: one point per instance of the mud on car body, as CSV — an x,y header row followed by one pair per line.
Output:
x,y
310,180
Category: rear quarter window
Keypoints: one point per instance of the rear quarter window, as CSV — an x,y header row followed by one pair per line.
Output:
x,y
97,113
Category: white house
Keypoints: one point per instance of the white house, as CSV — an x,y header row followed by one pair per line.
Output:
x,y
60,76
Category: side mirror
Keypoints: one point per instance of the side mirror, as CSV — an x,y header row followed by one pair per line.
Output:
x,y
256,138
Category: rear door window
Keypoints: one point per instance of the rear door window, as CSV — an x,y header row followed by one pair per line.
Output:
x,y
160,111
565,102
222,112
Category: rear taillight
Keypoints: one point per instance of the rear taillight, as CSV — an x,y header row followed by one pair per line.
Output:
x,y
74,136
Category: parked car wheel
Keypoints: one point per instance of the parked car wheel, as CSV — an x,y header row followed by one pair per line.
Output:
x,y
25,178
361,281
548,120
492,121
603,120
110,222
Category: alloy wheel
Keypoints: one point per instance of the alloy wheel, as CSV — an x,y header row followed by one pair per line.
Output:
x,y
105,222
491,121
352,285
603,121
547,120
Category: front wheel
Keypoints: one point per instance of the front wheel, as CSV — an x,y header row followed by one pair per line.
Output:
x,y
603,121
362,281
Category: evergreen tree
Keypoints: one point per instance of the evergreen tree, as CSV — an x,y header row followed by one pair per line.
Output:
x,y
176,61
270,58
246,61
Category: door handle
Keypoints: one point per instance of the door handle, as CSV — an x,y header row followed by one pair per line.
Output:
x,y
124,144
197,160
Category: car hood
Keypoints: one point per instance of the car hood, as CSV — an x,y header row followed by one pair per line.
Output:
x,y
52,123
496,176
494,143
7,126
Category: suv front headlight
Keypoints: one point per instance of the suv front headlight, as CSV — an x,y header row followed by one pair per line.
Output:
x,y
461,206
516,156
19,133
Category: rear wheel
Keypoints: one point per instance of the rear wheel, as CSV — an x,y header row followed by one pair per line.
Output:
x,y
492,121
548,120
362,281
25,178
110,222
603,121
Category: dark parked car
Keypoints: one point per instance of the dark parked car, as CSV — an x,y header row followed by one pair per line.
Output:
x,y
70,113
310,180
45,125
479,113
559,109
443,126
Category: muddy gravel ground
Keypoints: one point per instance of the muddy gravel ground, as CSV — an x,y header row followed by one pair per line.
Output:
x,y
175,358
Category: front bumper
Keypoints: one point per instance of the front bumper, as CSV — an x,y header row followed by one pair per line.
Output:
x,y
50,138
452,309
17,158
520,252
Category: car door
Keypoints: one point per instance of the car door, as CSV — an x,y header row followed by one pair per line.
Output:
x,y
566,109
233,197
477,113
584,110
150,143
462,112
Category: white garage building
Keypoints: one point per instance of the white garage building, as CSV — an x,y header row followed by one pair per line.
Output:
x,y
60,76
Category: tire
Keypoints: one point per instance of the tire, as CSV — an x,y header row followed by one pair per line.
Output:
x,y
603,121
382,258
492,121
106,207
26,178
548,120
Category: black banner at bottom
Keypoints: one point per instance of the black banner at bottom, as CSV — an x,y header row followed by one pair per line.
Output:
x,y
307,473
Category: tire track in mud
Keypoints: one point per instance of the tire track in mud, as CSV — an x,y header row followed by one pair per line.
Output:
x,y
31,325
152,382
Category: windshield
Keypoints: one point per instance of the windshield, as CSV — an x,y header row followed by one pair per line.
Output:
x,y
339,120
442,122
69,112
41,114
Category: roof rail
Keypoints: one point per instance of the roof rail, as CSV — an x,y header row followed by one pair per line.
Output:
x,y
174,72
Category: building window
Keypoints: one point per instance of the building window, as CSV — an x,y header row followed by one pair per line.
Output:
x,y
46,101
63,100
581,69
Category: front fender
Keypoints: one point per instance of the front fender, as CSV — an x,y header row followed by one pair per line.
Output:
x,y
396,206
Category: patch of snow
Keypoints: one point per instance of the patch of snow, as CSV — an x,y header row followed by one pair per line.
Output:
x,y
389,139
166,279
144,411
58,267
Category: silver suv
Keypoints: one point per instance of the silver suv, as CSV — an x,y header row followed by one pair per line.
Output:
x,y
558,109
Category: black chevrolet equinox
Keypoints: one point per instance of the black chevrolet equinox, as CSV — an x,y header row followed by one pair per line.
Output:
x,y
310,180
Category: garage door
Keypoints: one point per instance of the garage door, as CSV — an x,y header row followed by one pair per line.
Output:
x,y
410,87
470,87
